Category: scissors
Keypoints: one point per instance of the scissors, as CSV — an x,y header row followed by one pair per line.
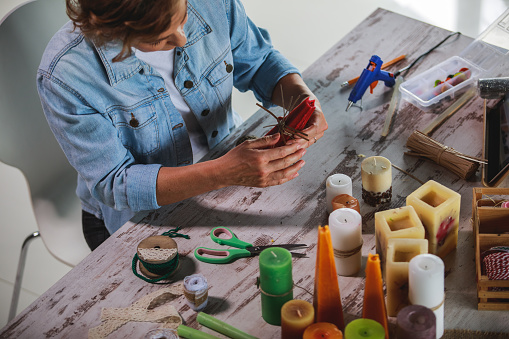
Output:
x,y
244,249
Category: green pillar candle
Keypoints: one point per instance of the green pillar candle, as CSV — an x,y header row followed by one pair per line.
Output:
x,y
191,333
364,329
276,283
222,327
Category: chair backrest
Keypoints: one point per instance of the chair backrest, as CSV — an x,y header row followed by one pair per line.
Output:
x,y
26,141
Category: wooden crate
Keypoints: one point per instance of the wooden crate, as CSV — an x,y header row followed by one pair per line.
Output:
x,y
491,228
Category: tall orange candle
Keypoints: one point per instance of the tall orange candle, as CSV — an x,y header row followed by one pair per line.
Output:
x,y
321,331
374,300
296,316
326,299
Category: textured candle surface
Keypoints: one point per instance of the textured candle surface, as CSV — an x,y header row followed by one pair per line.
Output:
x,y
438,207
399,253
376,174
322,331
426,286
365,329
416,322
346,234
326,299
345,201
276,282
400,222
335,185
296,316
374,301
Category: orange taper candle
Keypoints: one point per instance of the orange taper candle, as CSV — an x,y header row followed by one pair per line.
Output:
x,y
374,300
322,330
326,299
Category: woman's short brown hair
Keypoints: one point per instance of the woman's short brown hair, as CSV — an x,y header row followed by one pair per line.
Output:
x,y
125,20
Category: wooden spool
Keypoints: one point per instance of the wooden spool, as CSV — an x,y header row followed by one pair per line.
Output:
x,y
157,241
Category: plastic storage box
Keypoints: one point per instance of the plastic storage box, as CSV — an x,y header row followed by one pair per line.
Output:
x,y
486,56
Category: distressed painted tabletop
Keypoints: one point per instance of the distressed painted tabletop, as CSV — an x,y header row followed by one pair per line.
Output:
x,y
292,212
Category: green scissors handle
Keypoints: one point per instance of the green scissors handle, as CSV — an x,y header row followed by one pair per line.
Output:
x,y
230,239
220,256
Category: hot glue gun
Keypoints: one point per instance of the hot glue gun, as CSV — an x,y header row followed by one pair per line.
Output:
x,y
369,78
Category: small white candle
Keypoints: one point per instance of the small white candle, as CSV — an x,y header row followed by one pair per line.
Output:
x,y
345,226
376,174
337,184
426,285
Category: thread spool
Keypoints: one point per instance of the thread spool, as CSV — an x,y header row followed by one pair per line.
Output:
x,y
161,333
196,291
155,254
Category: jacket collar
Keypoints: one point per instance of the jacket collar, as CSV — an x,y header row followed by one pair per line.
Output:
x,y
195,28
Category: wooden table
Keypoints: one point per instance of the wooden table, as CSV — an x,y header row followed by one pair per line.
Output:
x,y
292,212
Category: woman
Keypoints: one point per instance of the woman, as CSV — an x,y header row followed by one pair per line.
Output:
x,y
137,91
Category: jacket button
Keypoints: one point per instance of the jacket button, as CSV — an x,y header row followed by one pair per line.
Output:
x,y
229,68
188,84
179,53
205,112
214,134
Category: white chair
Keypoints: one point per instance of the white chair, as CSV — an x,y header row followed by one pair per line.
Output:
x,y
26,141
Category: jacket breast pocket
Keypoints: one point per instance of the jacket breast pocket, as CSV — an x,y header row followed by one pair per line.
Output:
x,y
220,79
137,128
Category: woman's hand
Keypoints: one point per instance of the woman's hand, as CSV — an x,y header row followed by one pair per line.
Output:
x,y
315,128
254,163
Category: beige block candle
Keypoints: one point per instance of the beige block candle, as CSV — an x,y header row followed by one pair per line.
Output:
x,y
399,253
376,174
438,207
400,222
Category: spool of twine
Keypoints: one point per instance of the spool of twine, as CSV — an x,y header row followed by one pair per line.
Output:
x,y
423,146
196,291
158,259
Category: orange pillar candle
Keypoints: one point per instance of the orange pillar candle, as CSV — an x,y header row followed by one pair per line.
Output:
x,y
345,201
374,300
296,316
326,299
322,330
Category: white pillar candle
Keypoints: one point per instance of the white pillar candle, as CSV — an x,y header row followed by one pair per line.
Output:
x,y
426,285
345,226
337,184
376,174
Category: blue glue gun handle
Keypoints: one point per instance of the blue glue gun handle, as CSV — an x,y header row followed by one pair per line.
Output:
x,y
387,78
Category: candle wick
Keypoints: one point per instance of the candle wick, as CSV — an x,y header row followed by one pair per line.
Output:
x,y
374,160
274,254
299,313
345,221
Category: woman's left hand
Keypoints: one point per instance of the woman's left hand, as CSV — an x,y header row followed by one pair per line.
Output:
x,y
315,128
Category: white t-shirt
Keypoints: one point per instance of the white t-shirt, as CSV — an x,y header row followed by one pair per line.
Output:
x,y
162,61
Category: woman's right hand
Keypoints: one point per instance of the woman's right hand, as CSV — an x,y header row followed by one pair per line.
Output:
x,y
254,163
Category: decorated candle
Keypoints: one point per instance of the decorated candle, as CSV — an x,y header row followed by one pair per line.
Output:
x,y
346,234
321,331
364,329
276,283
400,222
438,208
345,201
335,185
326,299
399,253
416,322
426,286
376,174
374,301
296,316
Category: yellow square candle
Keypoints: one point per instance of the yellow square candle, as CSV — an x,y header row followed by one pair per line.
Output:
x,y
399,253
438,207
400,222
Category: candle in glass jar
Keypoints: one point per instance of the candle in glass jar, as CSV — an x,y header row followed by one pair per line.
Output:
x,y
337,184
364,329
376,174
326,299
276,282
416,322
374,301
296,316
438,208
321,331
345,201
399,253
345,226
426,286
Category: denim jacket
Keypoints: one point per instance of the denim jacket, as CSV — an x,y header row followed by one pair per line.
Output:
x,y
116,122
